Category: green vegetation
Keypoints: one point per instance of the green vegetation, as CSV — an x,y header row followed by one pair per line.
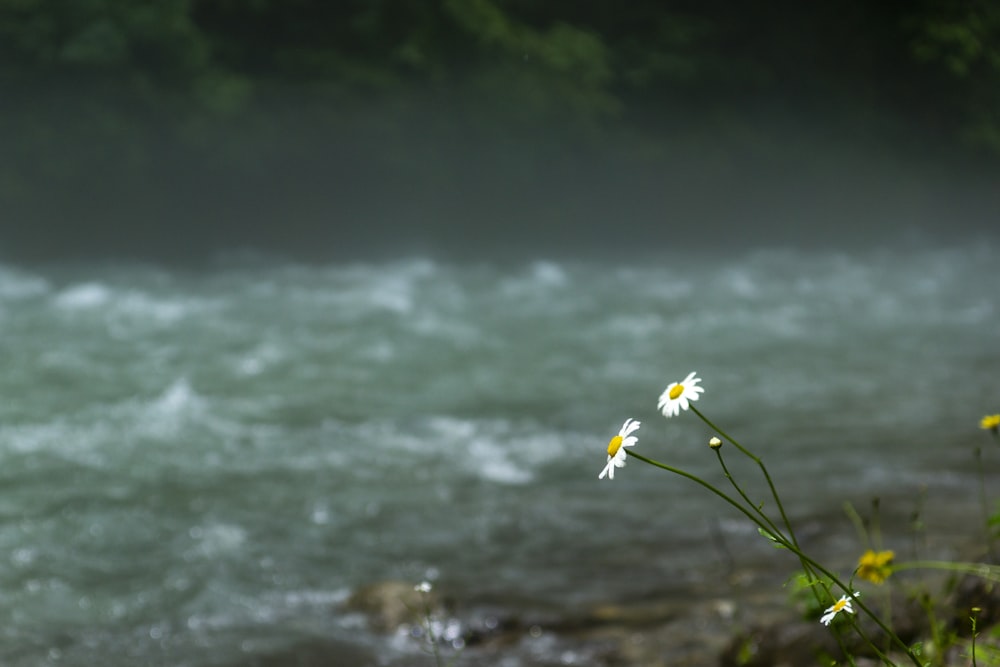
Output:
x,y
135,109
864,623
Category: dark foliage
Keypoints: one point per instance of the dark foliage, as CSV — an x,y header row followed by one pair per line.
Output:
x,y
128,115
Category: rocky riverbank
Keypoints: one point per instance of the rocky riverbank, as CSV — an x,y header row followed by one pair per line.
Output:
x,y
756,629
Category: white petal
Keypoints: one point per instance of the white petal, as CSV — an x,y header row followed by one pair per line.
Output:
x,y
628,427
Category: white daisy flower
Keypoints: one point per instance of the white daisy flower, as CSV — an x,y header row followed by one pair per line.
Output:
x,y
843,604
616,448
423,587
678,396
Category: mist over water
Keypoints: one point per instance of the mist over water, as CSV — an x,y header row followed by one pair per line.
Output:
x,y
775,179
200,465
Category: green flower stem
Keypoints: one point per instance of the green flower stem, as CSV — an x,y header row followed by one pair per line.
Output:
x,y
861,605
770,483
698,480
773,527
981,570
857,628
760,464
429,629
983,502
783,541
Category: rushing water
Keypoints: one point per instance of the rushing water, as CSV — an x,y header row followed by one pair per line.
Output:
x,y
200,466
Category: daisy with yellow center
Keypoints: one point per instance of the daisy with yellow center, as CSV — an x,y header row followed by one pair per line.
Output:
x,y
616,448
875,566
843,604
679,395
990,423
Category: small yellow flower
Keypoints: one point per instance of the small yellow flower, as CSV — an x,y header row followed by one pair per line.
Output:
x,y
875,566
990,423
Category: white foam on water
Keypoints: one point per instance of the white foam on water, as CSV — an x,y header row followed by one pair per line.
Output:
x,y
66,438
392,294
166,414
215,540
314,598
393,288
497,463
84,296
17,285
260,359
549,273
128,312
741,283
139,306
540,283
495,450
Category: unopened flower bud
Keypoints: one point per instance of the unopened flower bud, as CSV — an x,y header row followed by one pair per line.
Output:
x,y
715,443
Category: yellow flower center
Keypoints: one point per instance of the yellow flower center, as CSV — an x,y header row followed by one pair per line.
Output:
x,y
614,445
676,391
839,605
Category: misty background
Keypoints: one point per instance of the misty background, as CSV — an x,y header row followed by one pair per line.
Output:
x,y
174,130
298,297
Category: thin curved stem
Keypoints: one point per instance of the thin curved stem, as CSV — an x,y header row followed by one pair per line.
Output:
x,y
756,459
981,570
732,481
785,542
861,605
810,574
701,482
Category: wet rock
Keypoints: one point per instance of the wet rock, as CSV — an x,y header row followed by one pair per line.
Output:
x,y
638,615
387,605
394,606
793,641
311,653
493,630
781,645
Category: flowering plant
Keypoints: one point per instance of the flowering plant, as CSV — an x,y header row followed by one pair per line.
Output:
x,y
825,585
